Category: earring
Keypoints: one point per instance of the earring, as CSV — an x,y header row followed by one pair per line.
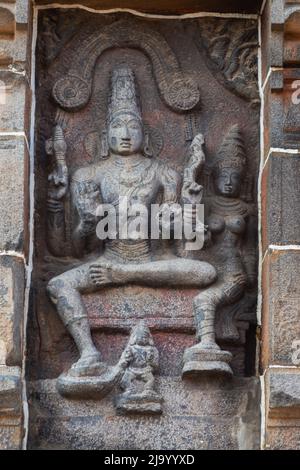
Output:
x,y
104,145
148,151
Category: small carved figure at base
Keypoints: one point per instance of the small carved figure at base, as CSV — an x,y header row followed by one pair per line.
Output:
x,y
139,361
95,386
207,362
143,403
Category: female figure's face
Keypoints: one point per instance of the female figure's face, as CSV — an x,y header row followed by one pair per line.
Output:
x,y
228,182
125,135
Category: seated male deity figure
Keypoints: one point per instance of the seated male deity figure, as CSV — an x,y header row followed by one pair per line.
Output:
x,y
128,170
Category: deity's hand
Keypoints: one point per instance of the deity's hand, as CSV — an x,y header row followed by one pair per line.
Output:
x,y
252,280
57,189
125,359
196,147
87,201
58,179
191,192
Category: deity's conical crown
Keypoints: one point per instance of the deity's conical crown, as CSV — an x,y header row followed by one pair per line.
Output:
x,y
232,151
124,97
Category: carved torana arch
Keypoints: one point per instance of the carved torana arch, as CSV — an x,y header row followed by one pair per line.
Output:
x,y
178,91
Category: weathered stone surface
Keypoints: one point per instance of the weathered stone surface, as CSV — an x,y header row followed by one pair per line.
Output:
x,y
280,196
22,13
15,51
284,393
11,435
285,437
10,391
11,309
13,193
266,40
206,417
175,6
281,320
15,107
7,22
11,431
147,281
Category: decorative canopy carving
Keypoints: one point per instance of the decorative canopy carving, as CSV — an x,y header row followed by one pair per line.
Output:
x,y
232,53
73,91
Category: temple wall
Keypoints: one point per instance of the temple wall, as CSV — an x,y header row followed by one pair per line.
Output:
x,y
261,403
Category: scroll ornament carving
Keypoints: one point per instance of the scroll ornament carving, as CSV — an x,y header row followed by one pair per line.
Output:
x,y
231,52
72,92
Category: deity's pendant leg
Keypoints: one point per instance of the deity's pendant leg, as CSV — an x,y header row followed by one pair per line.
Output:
x,y
206,358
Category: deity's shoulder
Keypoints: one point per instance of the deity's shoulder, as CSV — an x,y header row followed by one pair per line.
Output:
x,y
86,174
167,173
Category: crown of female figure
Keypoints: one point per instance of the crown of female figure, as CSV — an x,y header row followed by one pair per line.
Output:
x,y
232,152
123,97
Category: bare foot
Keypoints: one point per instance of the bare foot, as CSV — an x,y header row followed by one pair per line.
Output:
x,y
105,273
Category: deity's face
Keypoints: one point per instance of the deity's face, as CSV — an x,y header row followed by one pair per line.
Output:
x,y
125,135
228,182
142,337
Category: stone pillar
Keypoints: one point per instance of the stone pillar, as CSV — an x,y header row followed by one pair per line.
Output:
x,y
280,224
15,98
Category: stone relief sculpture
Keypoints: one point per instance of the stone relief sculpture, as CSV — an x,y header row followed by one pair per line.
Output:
x,y
232,53
126,168
232,226
140,361
179,91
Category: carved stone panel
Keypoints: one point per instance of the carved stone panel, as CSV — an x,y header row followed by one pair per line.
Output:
x,y
156,112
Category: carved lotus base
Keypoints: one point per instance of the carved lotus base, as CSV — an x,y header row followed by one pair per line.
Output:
x,y
143,403
206,362
94,387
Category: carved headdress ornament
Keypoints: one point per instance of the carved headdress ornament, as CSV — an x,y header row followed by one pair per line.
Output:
x,y
141,330
232,152
123,98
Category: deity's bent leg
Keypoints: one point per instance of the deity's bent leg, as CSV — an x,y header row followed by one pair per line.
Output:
x,y
64,291
177,272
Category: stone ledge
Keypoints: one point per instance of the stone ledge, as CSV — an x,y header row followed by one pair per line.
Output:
x,y
280,195
283,391
12,285
10,392
280,315
14,198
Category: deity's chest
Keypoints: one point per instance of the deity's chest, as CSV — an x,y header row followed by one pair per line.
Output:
x,y
234,224
138,186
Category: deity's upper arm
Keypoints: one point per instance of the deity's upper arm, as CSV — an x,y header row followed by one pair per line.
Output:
x,y
170,181
83,176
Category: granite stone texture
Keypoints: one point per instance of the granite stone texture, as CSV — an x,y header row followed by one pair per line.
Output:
x,y
283,436
15,96
280,196
11,304
210,416
284,393
281,321
11,422
13,182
